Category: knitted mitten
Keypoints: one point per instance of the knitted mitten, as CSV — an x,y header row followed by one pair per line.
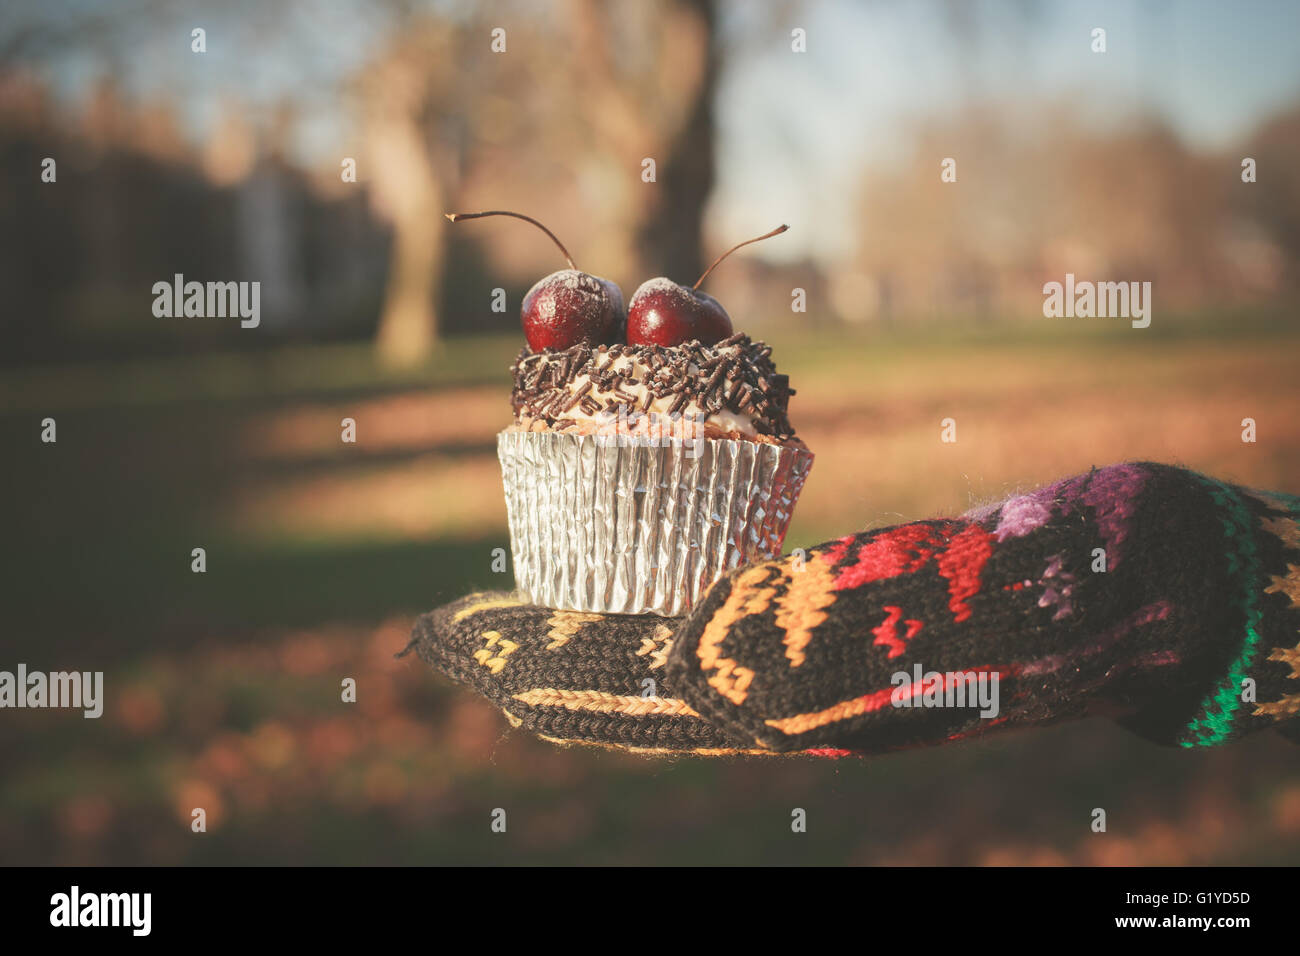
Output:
x,y
1139,589
567,675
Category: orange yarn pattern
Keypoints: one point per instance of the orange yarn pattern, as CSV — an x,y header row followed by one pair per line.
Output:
x,y
731,680
803,606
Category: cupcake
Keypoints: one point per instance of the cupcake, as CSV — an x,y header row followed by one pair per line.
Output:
x,y
637,475
650,452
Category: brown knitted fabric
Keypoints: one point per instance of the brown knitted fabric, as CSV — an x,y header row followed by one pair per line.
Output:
x,y
565,675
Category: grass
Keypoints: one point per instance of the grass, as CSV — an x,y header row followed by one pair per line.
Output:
x,y
223,687
289,373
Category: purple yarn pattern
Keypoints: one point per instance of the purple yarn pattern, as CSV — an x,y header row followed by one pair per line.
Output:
x,y
1111,492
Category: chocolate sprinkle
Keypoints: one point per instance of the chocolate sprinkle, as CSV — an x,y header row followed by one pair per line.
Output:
x,y
576,397
735,374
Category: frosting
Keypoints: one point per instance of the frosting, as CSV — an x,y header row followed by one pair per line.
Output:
x,y
731,388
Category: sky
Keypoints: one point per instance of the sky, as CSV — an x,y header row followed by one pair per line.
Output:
x,y
1211,70
795,129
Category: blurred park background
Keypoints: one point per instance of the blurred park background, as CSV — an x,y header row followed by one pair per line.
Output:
x,y
924,302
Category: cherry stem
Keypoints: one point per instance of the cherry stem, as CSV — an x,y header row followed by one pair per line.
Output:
x,y
458,216
767,235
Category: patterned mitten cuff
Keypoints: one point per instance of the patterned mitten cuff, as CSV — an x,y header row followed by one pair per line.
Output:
x,y
1147,589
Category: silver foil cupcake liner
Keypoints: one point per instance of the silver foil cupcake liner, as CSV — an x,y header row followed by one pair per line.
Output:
x,y
628,526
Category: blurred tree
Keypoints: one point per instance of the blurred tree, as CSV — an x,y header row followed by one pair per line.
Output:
x,y
1128,202
1275,201
649,83
440,107
408,181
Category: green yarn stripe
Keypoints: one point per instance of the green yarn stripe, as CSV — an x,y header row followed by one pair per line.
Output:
x,y
1214,724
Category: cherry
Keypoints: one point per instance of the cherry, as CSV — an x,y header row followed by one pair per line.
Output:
x,y
664,313
567,307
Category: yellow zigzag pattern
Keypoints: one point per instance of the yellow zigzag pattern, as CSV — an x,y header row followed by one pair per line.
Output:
x,y
565,624
493,661
657,646
1289,585
803,605
1287,530
748,596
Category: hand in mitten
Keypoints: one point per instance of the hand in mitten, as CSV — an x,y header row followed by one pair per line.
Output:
x,y
1153,591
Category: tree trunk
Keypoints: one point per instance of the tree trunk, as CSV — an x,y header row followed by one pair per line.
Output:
x,y
408,190
670,240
